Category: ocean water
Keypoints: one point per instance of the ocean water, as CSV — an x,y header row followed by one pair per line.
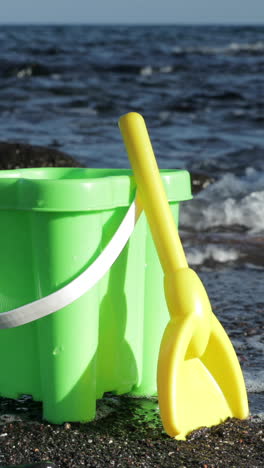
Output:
x,y
201,92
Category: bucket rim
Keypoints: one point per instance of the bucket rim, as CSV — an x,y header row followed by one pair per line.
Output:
x,y
80,189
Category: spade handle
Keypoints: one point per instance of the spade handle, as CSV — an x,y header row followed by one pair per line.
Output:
x,y
152,192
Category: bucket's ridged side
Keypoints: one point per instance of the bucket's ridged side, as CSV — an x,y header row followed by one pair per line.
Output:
x,y
19,354
155,316
120,297
133,282
68,340
111,312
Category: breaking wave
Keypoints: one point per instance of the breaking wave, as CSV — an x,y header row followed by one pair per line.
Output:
x,y
229,202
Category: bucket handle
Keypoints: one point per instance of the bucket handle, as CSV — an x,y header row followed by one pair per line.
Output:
x,y
80,285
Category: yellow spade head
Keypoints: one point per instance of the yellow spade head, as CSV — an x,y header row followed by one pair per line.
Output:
x,y
199,377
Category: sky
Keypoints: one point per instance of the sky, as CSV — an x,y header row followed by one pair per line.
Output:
x,y
132,11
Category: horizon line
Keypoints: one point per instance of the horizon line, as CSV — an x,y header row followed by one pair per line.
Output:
x,y
146,24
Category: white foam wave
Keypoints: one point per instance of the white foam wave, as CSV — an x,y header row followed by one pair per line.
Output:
x,y
166,69
149,70
254,381
211,252
257,418
231,201
247,47
56,76
234,186
146,71
25,72
232,48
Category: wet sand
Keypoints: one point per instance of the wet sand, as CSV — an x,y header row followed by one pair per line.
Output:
x,y
127,432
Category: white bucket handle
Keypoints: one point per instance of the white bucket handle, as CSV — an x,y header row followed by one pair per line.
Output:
x,y
80,285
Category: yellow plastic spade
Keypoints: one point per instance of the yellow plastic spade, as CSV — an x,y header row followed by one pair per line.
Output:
x,y
200,382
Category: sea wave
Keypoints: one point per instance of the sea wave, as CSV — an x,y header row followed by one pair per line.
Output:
x,y
234,48
247,213
229,202
255,379
212,253
24,69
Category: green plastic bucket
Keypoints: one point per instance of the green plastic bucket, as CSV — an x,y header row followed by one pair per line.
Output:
x,y
55,222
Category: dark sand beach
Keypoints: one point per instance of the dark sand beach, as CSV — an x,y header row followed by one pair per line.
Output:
x,y
127,432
